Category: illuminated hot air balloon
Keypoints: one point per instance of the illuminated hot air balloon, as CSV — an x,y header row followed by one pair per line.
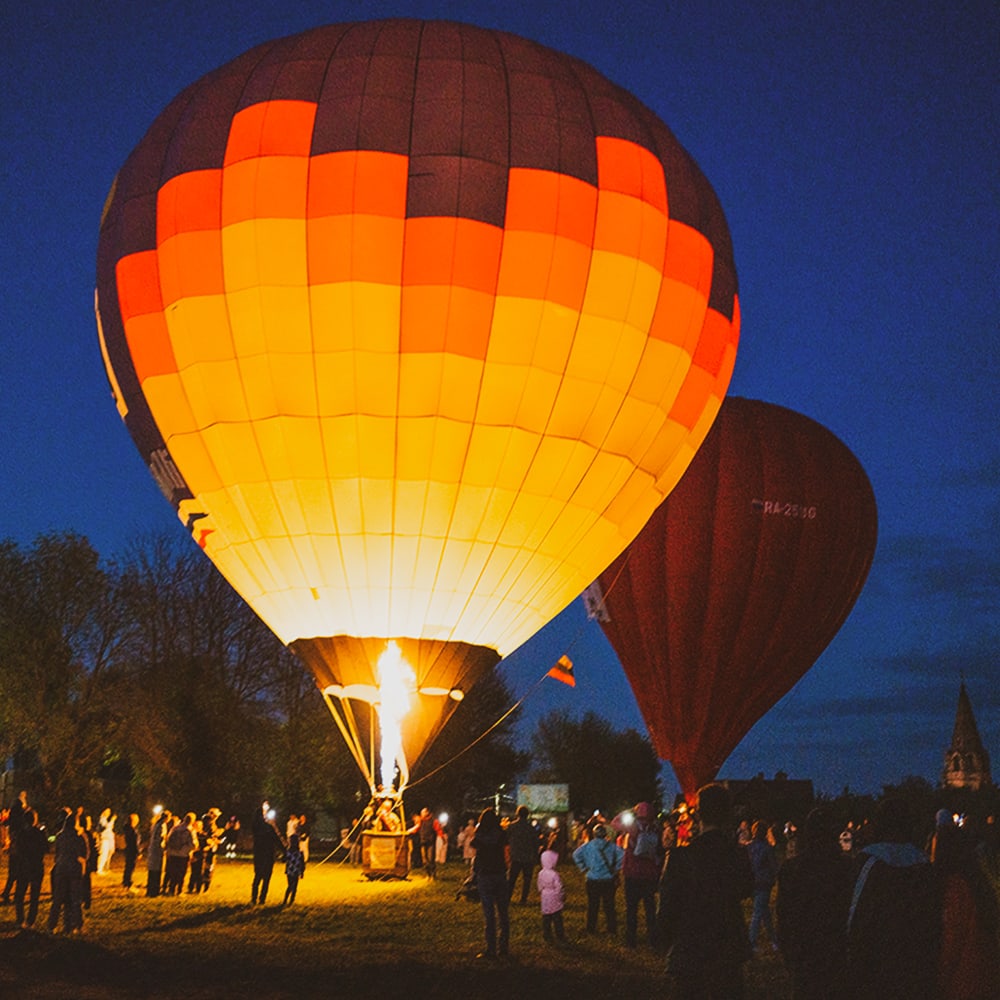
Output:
x,y
738,582
415,323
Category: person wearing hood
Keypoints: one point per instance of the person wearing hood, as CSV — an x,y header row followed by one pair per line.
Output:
x,y
550,888
894,921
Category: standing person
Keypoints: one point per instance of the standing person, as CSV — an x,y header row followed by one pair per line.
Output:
x,y
970,958
15,821
701,915
465,836
641,872
601,861
427,832
266,840
180,845
553,897
441,842
154,852
295,868
812,903
764,865
71,852
211,842
490,869
130,838
197,865
524,844
86,824
106,841
894,922
30,868
304,837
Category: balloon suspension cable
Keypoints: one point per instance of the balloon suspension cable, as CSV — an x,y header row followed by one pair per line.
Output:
x,y
345,723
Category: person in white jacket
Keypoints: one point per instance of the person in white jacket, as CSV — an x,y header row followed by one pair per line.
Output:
x,y
550,888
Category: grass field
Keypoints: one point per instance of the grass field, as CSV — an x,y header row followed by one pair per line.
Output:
x,y
345,936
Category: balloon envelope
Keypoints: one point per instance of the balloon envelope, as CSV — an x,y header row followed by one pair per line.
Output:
x,y
739,581
415,323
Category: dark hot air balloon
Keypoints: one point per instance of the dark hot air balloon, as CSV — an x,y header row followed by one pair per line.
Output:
x,y
415,323
738,582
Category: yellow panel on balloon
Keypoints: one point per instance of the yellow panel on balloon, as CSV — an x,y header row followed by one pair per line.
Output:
x,y
577,399
199,330
440,503
190,454
285,315
376,447
215,392
634,429
294,385
291,448
659,374
376,504
166,397
376,380
234,448
558,466
355,314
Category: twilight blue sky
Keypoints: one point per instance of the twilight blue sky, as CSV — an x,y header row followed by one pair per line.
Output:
x,y
854,148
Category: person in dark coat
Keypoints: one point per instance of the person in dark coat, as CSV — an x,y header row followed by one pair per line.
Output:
x,y
812,903
490,869
701,914
764,865
130,836
641,872
154,853
15,821
524,848
72,849
894,921
266,841
30,868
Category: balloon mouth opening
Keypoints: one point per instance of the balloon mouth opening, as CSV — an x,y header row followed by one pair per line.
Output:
x,y
370,693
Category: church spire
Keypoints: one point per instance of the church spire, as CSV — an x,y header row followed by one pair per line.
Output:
x,y
966,762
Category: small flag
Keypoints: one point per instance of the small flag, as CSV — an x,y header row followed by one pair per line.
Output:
x,y
563,671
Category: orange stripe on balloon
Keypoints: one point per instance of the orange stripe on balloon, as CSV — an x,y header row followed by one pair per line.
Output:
x,y
271,128
138,279
624,167
437,318
451,251
355,248
149,345
544,201
691,400
363,181
191,264
265,187
188,202
716,335
689,257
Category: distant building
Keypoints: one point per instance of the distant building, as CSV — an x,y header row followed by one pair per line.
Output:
x,y
966,762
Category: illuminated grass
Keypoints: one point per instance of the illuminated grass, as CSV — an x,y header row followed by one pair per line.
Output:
x,y
344,935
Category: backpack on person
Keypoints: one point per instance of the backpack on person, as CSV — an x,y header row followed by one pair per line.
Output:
x,y
647,844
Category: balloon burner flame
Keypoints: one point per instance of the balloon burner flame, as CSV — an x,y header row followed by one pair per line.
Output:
x,y
397,683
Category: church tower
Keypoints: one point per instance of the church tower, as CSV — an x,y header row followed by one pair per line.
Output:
x,y
966,762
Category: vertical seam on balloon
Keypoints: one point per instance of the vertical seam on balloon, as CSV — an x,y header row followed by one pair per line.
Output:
x,y
483,362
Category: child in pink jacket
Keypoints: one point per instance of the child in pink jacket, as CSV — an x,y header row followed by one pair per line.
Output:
x,y
550,888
